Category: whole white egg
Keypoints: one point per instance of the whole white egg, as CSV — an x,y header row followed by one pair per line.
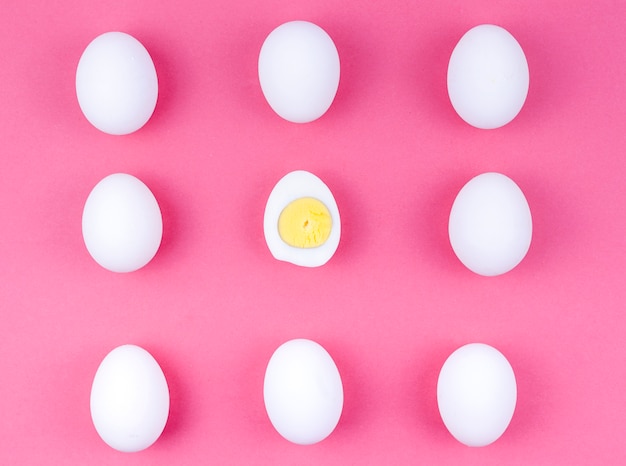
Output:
x,y
303,392
299,71
488,77
130,399
116,83
490,224
476,394
290,190
122,223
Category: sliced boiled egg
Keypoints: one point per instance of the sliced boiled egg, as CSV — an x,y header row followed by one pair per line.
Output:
x,y
301,222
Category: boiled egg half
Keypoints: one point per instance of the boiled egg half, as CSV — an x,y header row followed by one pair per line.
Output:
x,y
301,222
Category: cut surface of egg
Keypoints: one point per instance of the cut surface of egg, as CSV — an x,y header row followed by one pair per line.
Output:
x,y
476,394
116,83
488,77
303,392
122,223
301,222
130,399
299,71
490,226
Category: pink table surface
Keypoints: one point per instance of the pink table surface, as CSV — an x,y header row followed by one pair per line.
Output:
x,y
393,302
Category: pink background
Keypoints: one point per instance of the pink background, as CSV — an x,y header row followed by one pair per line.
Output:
x,y
393,302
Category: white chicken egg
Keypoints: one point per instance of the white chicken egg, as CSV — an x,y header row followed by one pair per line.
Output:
x,y
490,226
122,223
130,399
116,83
299,71
303,392
301,222
488,77
476,394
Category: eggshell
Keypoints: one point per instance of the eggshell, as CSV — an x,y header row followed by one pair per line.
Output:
x,y
490,226
476,394
488,77
292,186
129,399
122,223
299,71
116,83
303,392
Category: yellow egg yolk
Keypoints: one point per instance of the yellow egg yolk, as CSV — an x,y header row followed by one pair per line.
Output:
x,y
305,223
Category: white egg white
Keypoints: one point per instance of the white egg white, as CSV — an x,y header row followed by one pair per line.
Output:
x,y
296,185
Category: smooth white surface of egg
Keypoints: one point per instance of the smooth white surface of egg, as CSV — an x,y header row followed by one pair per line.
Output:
x,y
116,83
303,392
476,394
490,226
299,71
488,77
295,185
130,399
122,223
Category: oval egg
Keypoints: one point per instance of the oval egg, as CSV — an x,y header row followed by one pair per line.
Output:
x,y
476,394
490,225
303,392
129,399
122,224
488,77
301,221
299,71
116,83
